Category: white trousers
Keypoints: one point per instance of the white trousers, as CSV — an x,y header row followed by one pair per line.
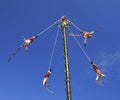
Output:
x,y
45,81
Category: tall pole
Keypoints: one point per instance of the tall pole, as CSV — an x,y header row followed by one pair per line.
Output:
x,y
66,64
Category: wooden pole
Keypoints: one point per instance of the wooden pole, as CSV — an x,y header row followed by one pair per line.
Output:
x,y
66,66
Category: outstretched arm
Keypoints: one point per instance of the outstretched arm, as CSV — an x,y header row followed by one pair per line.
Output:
x,y
71,34
23,38
92,32
14,53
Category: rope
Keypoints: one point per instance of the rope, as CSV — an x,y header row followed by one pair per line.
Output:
x,y
46,29
76,26
80,46
53,49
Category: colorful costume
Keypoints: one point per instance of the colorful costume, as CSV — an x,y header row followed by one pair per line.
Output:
x,y
28,41
98,72
46,76
86,36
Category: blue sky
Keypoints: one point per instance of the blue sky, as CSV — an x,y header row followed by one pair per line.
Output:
x,y
21,79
